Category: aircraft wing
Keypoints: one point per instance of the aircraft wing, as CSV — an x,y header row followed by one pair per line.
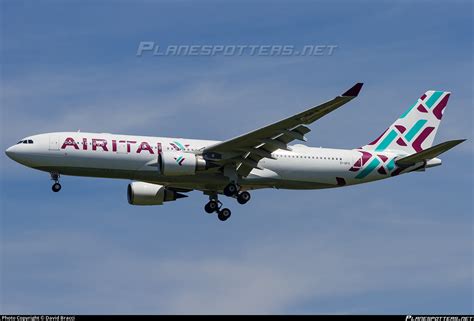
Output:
x,y
245,151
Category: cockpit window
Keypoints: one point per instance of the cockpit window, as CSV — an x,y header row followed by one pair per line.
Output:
x,y
26,141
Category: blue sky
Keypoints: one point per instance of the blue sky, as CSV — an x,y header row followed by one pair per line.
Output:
x,y
403,245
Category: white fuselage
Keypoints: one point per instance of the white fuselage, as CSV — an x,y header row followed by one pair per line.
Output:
x,y
135,158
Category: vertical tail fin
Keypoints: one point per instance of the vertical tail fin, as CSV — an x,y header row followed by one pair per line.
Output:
x,y
415,130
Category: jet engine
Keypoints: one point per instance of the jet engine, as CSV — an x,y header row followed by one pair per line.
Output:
x,y
179,163
141,193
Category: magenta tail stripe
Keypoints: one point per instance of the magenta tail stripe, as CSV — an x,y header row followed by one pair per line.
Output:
x,y
401,142
422,109
420,139
400,128
365,157
397,171
438,110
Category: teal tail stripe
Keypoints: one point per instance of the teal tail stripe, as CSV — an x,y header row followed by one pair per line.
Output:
x,y
387,141
179,158
179,145
409,110
372,165
415,129
433,98
391,164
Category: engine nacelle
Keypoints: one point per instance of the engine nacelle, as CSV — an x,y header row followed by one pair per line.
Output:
x,y
141,193
179,163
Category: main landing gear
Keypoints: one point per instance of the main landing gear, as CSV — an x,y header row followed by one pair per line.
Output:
x,y
232,190
212,206
243,197
224,214
215,206
56,186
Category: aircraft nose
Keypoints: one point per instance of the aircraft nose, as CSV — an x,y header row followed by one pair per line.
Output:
x,y
11,152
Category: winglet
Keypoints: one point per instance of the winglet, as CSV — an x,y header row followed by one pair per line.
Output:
x,y
353,91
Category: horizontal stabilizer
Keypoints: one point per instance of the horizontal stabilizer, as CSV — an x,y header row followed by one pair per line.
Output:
x,y
427,154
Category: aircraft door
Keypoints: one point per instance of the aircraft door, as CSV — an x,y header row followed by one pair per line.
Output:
x,y
159,152
53,142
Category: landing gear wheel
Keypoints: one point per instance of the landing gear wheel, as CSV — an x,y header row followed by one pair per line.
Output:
x,y
211,207
230,190
56,187
243,197
224,214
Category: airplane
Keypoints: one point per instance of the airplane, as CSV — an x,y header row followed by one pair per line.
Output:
x,y
165,169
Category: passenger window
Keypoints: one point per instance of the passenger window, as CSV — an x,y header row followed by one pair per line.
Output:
x,y
30,141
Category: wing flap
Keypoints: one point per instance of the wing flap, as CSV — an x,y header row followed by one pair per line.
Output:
x,y
263,153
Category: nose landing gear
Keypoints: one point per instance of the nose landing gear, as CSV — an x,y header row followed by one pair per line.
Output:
x,y
56,186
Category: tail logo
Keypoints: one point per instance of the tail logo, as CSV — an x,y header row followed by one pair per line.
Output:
x,y
415,125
